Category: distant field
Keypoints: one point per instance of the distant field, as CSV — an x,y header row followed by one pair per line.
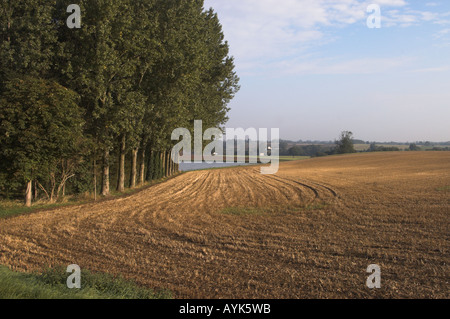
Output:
x,y
282,158
402,147
365,147
292,158
310,231
361,147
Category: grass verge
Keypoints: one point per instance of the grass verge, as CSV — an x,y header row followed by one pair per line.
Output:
x,y
14,208
52,284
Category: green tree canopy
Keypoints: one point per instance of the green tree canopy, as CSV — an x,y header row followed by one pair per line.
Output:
x,y
141,68
345,143
40,124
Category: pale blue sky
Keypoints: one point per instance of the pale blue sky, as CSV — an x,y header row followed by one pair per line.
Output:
x,y
313,68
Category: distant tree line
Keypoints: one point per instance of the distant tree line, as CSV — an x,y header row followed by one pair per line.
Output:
x,y
376,148
439,149
413,147
308,150
79,107
346,145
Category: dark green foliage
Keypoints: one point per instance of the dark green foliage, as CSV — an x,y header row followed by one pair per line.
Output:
x,y
345,143
375,148
439,149
28,37
82,182
141,68
155,169
284,148
158,172
308,150
40,125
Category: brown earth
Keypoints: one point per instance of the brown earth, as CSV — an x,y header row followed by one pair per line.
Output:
x,y
309,231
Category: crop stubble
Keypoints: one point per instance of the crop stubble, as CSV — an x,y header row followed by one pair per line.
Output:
x,y
322,222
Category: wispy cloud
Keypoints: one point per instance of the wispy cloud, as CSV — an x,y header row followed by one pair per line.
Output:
x,y
444,68
332,66
409,17
432,4
442,33
265,34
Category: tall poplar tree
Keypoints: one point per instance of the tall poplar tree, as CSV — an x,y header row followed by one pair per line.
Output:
x,y
141,68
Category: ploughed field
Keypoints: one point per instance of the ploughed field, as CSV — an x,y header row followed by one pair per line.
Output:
x,y
310,231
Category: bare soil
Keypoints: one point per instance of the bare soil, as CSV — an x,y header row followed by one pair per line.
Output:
x,y
309,231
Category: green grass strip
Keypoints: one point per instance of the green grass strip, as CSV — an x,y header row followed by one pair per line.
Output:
x,y
52,284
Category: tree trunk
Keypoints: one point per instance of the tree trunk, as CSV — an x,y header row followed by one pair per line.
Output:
x,y
121,177
134,168
105,177
29,194
43,189
167,164
36,191
164,161
142,168
172,164
150,165
157,164
95,178
169,161
163,164
53,185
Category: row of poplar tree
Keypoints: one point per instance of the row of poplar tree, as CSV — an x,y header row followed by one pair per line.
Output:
x,y
76,102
